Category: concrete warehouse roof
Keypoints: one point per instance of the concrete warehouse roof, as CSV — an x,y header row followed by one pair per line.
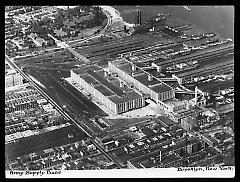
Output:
x,y
109,88
142,77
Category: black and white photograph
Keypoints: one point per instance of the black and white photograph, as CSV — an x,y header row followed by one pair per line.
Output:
x,y
119,91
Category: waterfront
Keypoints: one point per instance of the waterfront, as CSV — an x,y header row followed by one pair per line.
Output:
x,y
219,19
109,102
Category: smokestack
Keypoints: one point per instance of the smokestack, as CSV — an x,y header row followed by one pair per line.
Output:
x,y
160,156
187,105
121,84
159,68
125,28
133,67
136,19
140,17
196,91
105,74
150,77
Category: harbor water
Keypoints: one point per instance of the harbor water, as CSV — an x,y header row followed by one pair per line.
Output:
x,y
219,19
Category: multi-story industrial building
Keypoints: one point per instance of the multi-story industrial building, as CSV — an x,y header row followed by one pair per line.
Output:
x,y
146,83
113,94
13,79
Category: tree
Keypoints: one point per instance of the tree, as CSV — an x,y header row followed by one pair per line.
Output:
x,y
44,45
195,128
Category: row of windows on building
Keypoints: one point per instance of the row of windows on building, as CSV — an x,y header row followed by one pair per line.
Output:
x,y
126,106
162,96
121,107
13,80
179,107
165,95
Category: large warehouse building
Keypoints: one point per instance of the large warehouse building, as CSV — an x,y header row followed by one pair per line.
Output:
x,y
142,81
113,94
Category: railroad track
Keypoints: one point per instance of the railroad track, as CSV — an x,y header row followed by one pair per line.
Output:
x,y
200,56
217,68
59,109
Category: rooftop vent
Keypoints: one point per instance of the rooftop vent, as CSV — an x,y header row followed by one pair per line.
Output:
x,y
150,77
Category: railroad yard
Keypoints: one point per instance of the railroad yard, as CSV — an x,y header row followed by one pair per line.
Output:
x,y
83,135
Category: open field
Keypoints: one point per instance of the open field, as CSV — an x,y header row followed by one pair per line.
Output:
x,y
44,141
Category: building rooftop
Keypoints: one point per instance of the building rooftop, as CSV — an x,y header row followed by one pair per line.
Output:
x,y
191,121
191,140
186,113
154,72
174,84
83,68
104,90
110,88
127,67
161,88
148,164
143,161
90,80
142,76
166,121
208,137
170,158
105,82
144,80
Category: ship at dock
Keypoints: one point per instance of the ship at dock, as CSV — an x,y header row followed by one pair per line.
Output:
x,y
155,21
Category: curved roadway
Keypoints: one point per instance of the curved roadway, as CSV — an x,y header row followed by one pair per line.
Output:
x,y
112,15
10,61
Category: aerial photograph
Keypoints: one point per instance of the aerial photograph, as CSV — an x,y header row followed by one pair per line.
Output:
x,y
101,89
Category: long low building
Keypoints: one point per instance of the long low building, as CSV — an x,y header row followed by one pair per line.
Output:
x,y
141,80
108,90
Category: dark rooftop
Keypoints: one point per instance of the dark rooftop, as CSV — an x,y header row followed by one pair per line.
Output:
x,y
155,73
90,80
105,82
148,163
161,88
142,77
144,80
127,67
183,143
210,138
172,83
166,120
170,158
104,90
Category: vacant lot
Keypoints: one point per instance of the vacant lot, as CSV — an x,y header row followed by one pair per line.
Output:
x,y
44,141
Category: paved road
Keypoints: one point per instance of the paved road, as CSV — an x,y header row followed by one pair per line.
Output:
x,y
106,28
66,115
65,93
103,31
59,108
